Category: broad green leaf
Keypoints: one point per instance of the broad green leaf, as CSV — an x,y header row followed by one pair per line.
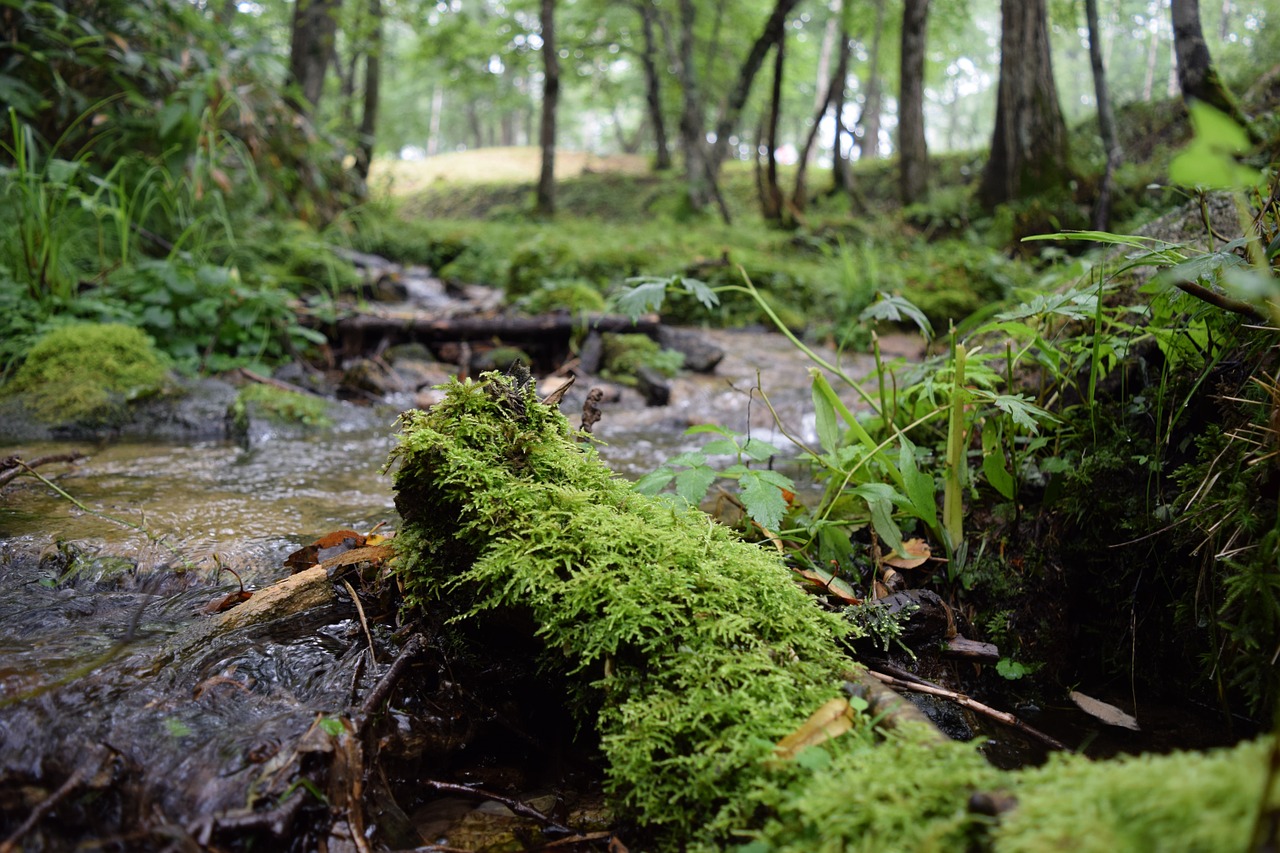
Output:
x,y
1025,413
1209,159
920,486
692,459
654,481
692,484
699,429
646,295
763,500
721,447
994,464
700,291
828,428
760,450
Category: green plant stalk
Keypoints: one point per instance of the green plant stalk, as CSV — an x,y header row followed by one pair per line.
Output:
x,y
953,495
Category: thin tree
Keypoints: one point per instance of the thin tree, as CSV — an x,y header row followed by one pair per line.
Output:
x,y
913,150
372,81
1106,118
653,87
1029,143
1197,76
869,142
311,47
770,192
546,193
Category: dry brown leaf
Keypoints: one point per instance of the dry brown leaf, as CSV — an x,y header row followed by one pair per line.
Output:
x,y
914,553
830,721
829,583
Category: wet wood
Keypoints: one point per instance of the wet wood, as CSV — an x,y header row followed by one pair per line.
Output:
x,y
959,647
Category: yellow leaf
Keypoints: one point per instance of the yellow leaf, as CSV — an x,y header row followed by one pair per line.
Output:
x,y
913,553
830,721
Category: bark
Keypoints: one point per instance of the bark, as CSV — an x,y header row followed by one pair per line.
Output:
x,y
869,143
770,192
912,148
841,175
546,201
1197,76
1029,144
799,198
311,50
653,88
693,142
372,81
1106,118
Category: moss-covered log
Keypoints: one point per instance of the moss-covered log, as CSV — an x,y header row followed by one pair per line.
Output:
x,y
692,654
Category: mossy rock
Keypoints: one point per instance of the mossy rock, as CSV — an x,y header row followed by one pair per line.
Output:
x,y
691,654
88,373
626,354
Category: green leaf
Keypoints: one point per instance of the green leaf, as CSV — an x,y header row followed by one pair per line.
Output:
x,y
1209,159
828,428
331,726
700,291
699,429
760,450
763,499
722,447
654,481
897,309
693,483
645,296
920,487
1025,413
880,498
994,464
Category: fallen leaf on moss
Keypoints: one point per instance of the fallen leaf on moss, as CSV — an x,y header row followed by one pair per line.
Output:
x,y
830,721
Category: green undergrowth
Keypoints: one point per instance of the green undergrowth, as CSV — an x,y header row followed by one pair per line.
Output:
x,y
88,372
691,654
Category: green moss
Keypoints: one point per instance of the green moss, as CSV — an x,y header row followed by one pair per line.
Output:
x,y
575,295
280,405
88,372
692,653
696,649
1183,801
624,355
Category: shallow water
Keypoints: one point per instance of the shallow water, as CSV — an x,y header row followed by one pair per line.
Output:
x,y
251,507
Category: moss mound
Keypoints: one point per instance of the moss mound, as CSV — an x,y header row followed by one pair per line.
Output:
x,y
696,650
88,372
692,654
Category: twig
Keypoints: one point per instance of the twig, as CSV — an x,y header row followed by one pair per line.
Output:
x,y
973,705
414,647
13,466
82,774
364,623
516,806
1222,301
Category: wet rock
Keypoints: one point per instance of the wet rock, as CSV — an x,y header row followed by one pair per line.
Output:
x,y
591,353
367,376
653,385
192,410
928,622
700,354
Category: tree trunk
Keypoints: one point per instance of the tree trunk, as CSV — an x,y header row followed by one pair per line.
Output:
x,y
693,141
653,88
799,198
1106,119
771,35
771,193
912,148
315,29
869,144
372,81
1197,76
841,176
1029,144
546,195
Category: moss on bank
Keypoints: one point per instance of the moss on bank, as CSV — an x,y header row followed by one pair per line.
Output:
x,y
691,654
88,372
